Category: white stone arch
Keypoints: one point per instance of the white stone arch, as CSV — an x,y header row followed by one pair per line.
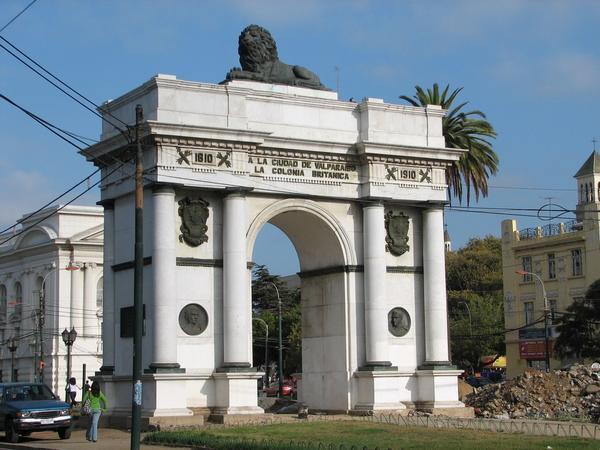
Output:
x,y
309,207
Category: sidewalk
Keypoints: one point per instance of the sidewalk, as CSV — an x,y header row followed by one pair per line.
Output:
x,y
108,439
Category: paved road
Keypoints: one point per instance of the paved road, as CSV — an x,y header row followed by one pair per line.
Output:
x,y
108,439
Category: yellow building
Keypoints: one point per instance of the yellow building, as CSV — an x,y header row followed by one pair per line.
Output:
x,y
563,259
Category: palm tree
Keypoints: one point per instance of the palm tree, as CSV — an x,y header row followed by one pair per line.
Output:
x,y
469,130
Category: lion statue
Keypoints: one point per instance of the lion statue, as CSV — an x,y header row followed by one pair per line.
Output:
x,y
260,62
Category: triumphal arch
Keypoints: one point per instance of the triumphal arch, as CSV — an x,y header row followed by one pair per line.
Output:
x,y
358,187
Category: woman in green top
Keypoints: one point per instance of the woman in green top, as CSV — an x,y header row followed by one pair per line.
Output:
x,y
98,404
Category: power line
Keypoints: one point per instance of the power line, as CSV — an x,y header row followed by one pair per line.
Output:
x,y
102,117
50,127
17,16
61,207
51,201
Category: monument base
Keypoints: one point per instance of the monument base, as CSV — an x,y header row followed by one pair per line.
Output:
x,y
236,392
438,389
380,390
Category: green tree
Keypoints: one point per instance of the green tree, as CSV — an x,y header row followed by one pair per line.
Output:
x,y
265,306
579,327
467,130
475,301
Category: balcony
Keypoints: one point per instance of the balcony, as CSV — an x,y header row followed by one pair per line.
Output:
x,y
552,229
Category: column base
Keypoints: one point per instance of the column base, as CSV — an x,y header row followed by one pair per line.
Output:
x,y
236,368
377,366
164,368
437,365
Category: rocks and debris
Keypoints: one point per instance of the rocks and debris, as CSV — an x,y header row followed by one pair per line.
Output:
x,y
571,394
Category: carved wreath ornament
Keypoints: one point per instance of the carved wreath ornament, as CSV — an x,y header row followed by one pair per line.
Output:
x,y
396,239
194,214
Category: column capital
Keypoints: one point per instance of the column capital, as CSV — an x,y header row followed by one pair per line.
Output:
x,y
163,188
108,203
237,191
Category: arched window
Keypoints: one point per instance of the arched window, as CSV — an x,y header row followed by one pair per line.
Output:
x,y
581,195
587,194
100,294
592,192
3,308
598,191
18,300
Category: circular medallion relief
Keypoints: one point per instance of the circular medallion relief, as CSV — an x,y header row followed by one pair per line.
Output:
x,y
193,319
398,321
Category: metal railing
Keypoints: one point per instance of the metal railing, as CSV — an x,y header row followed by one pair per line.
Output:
x,y
551,229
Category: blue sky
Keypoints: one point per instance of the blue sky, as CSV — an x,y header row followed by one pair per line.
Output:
x,y
532,66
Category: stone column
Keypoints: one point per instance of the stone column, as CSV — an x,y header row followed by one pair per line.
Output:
x,y
236,322
434,289
163,302
77,298
374,285
90,319
108,291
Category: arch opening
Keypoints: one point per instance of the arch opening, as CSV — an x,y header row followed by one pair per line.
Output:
x,y
319,243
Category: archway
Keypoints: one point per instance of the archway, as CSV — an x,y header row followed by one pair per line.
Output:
x,y
324,254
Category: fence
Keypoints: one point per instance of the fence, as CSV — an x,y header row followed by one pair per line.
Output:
x,y
529,427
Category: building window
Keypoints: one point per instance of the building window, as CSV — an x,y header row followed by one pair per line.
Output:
x,y
528,308
526,263
553,305
18,300
551,266
538,364
100,294
587,194
577,263
592,192
2,303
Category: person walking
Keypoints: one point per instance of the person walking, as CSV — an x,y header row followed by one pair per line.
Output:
x,y
72,389
98,404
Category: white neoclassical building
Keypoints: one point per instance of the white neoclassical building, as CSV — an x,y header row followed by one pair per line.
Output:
x,y
51,270
359,188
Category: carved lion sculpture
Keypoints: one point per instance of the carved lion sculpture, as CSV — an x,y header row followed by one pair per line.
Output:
x,y
260,62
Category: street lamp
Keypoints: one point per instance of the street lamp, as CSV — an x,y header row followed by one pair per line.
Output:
x,y
280,362
470,319
266,348
68,338
546,313
12,346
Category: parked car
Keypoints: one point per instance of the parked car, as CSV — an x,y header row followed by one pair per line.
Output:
x,y
29,407
273,389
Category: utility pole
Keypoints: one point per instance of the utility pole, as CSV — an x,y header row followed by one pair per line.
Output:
x,y
136,404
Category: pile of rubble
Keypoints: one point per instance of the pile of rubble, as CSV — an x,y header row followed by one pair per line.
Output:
x,y
560,394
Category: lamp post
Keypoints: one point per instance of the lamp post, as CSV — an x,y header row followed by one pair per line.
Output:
x,y
470,318
12,346
546,313
68,338
266,348
280,362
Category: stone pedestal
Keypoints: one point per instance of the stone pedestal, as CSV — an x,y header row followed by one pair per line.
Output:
x,y
438,389
236,393
378,390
